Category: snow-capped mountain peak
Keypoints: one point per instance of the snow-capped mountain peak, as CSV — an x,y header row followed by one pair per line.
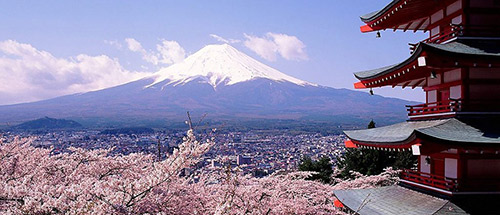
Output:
x,y
220,64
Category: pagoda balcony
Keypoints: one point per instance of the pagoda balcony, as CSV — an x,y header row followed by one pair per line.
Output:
x,y
461,30
445,35
453,107
440,108
426,179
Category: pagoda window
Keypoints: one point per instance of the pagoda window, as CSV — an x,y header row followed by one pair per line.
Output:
x,y
454,7
457,20
435,31
425,165
431,96
450,168
456,92
453,75
437,16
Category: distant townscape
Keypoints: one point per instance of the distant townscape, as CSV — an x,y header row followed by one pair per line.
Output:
x,y
259,152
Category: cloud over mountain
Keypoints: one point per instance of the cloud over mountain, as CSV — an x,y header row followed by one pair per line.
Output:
x,y
29,74
273,44
224,40
167,51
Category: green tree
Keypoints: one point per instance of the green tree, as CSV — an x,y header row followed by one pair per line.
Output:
x,y
371,124
323,167
372,161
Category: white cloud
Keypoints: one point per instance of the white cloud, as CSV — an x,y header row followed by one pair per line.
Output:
x,y
224,40
114,43
289,47
134,45
170,52
263,47
29,74
272,44
167,52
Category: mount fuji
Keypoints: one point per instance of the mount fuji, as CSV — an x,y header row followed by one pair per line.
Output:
x,y
217,80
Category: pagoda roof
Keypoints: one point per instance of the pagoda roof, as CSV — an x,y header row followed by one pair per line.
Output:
x,y
486,48
393,134
395,200
402,14
476,130
473,47
375,14
460,48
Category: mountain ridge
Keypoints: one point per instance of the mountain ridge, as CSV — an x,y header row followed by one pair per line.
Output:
x,y
48,123
216,88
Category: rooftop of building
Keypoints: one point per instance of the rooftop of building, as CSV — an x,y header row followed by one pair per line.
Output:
x,y
464,130
467,47
395,200
406,15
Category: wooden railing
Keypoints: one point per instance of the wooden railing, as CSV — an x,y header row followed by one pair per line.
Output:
x,y
460,30
441,182
445,106
444,35
438,38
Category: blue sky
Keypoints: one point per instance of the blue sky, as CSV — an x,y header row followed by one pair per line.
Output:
x,y
52,48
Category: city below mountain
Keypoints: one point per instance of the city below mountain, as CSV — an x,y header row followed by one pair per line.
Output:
x,y
221,82
128,130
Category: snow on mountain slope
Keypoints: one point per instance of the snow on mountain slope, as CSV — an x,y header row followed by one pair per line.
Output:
x,y
219,64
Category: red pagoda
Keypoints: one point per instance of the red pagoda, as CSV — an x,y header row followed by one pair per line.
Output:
x,y
456,133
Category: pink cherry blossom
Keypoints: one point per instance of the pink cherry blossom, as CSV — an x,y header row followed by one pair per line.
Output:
x,y
38,181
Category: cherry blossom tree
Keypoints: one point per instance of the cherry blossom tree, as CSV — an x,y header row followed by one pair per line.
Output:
x,y
388,177
38,181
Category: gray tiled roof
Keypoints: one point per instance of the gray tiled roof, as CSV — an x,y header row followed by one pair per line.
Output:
x,y
470,47
395,200
370,16
396,133
374,72
475,130
463,130
465,47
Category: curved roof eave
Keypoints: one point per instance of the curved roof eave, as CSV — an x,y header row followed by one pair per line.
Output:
x,y
373,15
478,131
466,130
403,142
464,47
461,47
363,75
392,135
